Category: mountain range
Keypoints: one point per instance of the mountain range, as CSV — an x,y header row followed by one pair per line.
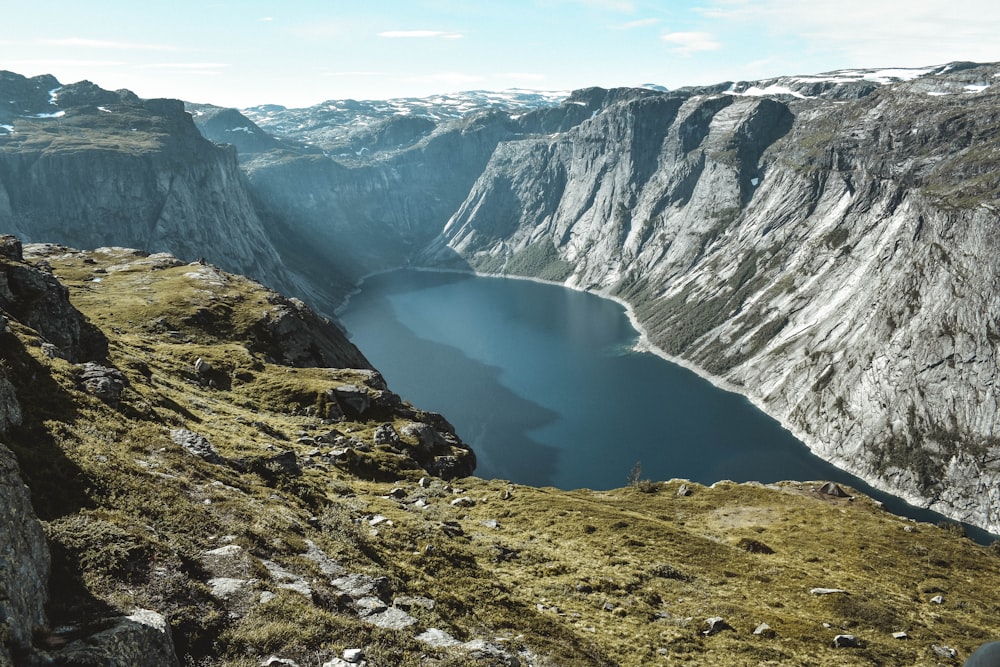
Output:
x,y
823,244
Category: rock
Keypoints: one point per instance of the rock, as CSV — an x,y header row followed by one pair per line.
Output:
x,y
357,586
38,300
386,435
846,641
103,382
406,602
437,638
391,619
11,248
764,630
428,439
24,562
714,625
140,639
397,493
10,408
226,588
287,580
946,652
196,444
353,655
424,483
827,591
275,661
937,599
353,399
464,501
327,565
900,635
683,491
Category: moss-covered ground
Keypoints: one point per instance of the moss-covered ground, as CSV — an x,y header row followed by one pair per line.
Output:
x,y
622,577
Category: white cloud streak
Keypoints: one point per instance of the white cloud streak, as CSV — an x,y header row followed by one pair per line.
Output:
x,y
639,23
687,43
80,42
420,34
874,32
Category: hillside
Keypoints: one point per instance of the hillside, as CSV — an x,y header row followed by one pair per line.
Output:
x,y
218,478
822,243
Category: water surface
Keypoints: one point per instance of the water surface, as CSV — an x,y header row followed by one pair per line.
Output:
x,y
543,383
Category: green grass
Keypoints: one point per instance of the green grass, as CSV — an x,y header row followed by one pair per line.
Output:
x,y
621,577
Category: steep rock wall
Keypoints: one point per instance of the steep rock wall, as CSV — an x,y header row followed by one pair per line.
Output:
x,y
833,261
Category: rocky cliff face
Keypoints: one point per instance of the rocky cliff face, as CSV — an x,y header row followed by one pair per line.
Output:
x,y
89,167
827,251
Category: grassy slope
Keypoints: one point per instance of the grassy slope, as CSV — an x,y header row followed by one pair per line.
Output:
x,y
578,578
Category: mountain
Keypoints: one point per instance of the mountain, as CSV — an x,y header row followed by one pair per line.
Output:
x,y
88,167
193,470
825,245
821,243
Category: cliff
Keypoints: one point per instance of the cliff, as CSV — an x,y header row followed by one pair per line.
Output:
x,y
89,167
826,249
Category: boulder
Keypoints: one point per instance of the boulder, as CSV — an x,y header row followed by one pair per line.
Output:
x,y
947,652
140,639
24,563
846,641
103,382
714,625
385,434
196,444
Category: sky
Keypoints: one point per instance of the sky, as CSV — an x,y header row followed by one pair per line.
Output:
x,y
298,53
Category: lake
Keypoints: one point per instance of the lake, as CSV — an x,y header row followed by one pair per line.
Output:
x,y
544,384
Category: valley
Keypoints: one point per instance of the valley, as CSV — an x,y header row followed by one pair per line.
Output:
x,y
196,463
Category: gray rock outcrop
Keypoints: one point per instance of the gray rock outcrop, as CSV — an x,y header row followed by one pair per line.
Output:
x,y
24,564
36,299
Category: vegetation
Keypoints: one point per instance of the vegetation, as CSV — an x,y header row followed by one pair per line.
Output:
x,y
540,260
620,577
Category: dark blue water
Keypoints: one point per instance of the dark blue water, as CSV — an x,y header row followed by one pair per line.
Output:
x,y
542,382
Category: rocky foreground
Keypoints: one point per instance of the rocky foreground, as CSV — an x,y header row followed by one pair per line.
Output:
x,y
197,470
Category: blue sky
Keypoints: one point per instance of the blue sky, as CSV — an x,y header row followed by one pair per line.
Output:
x,y
301,52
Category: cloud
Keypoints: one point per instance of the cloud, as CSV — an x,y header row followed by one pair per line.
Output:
x,y
266,19
691,42
522,76
639,23
873,32
106,44
355,73
62,62
447,78
421,34
624,6
185,66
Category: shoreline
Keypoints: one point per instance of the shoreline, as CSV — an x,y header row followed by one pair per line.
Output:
x,y
645,345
